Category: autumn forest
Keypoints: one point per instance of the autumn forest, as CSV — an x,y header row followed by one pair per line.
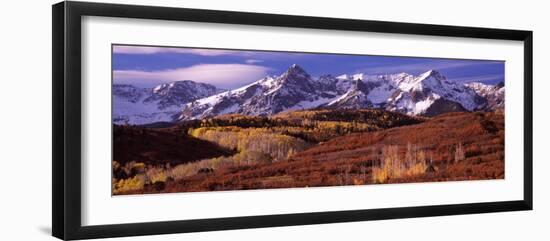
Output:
x,y
306,148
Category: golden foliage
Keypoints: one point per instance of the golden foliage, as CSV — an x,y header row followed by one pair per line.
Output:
x,y
393,167
156,175
131,184
271,152
251,140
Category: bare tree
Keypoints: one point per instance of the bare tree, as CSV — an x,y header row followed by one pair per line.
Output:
x,y
459,153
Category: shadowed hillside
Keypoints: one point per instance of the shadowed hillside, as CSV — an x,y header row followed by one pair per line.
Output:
x,y
160,146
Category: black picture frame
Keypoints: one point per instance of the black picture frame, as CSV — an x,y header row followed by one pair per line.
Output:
x,y
66,47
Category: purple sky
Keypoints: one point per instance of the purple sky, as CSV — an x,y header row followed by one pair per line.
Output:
x,y
149,66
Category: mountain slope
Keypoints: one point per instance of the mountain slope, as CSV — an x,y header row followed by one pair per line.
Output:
x,y
494,94
293,90
430,93
133,105
352,159
418,94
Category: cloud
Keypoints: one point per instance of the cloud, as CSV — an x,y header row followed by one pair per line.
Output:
x,y
480,78
256,54
420,67
119,49
220,75
253,61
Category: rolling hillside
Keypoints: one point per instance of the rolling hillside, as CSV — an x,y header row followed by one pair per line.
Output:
x,y
160,146
453,146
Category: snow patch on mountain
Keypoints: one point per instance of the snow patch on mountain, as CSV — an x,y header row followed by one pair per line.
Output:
x,y
295,89
493,94
428,93
133,105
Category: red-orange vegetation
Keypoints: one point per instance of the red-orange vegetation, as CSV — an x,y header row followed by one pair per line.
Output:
x,y
449,147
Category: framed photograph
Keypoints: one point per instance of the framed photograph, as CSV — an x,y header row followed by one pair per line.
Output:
x,y
169,120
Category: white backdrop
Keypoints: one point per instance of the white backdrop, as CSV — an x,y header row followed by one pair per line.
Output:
x,y
26,124
100,208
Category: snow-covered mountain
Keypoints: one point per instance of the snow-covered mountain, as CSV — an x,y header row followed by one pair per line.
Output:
x,y
419,94
295,89
133,105
494,94
429,93
367,91
413,95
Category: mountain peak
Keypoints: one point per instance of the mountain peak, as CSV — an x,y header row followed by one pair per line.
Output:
x,y
294,75
432,73
430,78
296,69
295,89
184,81
180,84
